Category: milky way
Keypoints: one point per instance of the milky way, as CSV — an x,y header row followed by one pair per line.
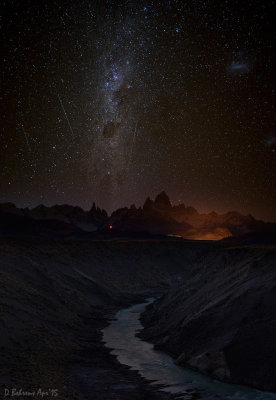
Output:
x,y
112,101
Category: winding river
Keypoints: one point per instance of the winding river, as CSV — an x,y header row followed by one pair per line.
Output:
x,y
157,366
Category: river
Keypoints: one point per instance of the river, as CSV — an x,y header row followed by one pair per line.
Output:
x,y
154,365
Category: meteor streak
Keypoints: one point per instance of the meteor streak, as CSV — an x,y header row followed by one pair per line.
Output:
x,y
26,137
70,127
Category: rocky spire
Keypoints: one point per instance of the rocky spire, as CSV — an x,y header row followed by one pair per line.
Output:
x,y
162,201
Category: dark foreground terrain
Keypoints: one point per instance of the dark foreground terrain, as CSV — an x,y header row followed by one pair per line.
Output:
x,y
57,295
222,320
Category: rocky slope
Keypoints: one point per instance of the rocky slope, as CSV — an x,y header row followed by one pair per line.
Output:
x,y
222,319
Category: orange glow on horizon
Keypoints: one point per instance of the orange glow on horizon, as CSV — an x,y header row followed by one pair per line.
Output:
x,y
217,233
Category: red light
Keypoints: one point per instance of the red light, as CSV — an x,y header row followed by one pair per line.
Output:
x,y
110,227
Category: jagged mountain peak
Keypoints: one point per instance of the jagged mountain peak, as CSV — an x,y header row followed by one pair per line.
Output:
x,y
162,201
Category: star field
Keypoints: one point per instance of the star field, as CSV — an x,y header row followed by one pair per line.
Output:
x,y
112,101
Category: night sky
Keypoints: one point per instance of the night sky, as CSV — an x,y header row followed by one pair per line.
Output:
x,y
112,101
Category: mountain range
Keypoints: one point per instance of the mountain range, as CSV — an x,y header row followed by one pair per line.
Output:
x,y
156,217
